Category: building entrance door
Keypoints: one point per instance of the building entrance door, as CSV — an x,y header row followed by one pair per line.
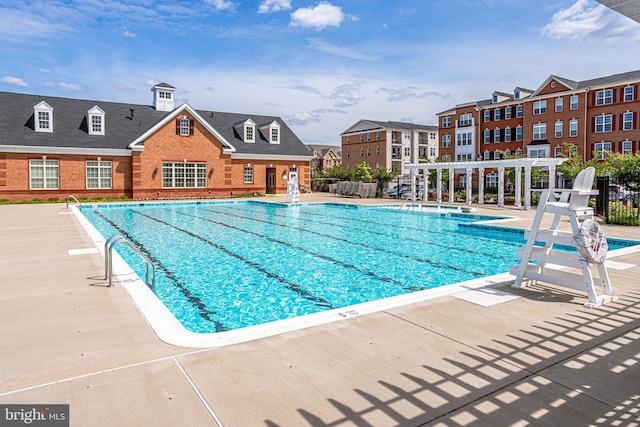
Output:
x,y
271,181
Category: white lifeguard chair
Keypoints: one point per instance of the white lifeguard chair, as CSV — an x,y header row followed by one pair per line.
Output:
x,y
555,266
293,191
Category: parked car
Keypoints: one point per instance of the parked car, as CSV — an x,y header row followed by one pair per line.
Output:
x,y
617,193
631,200
398,190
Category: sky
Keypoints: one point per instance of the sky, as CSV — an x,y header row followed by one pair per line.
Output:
x,y
320,65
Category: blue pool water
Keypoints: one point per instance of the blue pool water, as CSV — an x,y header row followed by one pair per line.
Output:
x,y
227,265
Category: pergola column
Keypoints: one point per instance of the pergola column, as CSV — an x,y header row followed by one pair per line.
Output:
x,y
468,190
481,186
552,177
439,186
527,188
501,186
451,189
412,175
518,186
425,184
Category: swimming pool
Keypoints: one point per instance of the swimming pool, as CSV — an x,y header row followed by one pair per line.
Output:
x,y
224,266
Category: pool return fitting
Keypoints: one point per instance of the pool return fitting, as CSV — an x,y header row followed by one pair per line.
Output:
x,y
108,265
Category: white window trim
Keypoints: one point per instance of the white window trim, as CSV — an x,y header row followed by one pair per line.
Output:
x,y
195,166
603,125
248,175
101,165
571,133
573,106
44,173
625,122
42,107
96,112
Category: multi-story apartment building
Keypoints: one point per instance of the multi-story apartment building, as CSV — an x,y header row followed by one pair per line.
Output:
x,y
388,145
591,117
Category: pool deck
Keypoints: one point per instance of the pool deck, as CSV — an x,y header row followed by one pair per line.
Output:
x,y
538,359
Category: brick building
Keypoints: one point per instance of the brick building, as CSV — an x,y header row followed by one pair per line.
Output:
x,y
388,145
51,147
592,117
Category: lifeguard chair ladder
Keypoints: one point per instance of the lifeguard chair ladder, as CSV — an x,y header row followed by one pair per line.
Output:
x,y
574,205
293,191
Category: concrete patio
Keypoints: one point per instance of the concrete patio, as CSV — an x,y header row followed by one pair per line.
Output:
x,y
540,359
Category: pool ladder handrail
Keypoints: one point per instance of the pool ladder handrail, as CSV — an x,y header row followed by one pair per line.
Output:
x,y
108,265
71,196
413,204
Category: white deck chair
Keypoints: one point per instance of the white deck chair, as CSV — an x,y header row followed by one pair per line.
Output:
x,y
572,204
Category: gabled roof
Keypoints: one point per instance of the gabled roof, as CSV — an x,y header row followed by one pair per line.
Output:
x,y
323,150
611,80
365,125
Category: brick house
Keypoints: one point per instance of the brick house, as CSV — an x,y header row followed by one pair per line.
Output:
x,y
324,156
51,147
592,117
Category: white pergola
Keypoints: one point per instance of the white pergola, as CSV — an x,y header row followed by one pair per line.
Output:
x,y
480,166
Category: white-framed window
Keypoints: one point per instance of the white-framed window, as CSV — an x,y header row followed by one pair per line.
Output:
x,y
604,123
601,150
573,150
626,147
497,155
465,120
407,151
557,151
250,131
507,134
604,97
432,151
43,117
377,150
44,174
497,113
573,102
537,152
248,174
627,120
496,135
446,141
539,131
275,135
184,175
361,151
519,152
446,122
369,137
486,138
540,107
362,137
491,180
377,136
348,139
507,153
487,115
558,105
348,154
464,138
164,94
486,155
507,113
519,111
95,121
446,157
519,133
368,151
629,94
558,129
98,174
184,126
516,94
573,127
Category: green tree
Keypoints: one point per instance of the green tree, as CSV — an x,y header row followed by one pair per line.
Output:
x,y
625,168
362,173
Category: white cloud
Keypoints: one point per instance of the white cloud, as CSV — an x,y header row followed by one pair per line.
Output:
x,y
222,4
348,94
13,81
323,46
268,6
581,22
65,86
128,33
322,15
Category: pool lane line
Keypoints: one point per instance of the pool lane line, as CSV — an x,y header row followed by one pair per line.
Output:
x,y
364,245
301,249
379,233
319,301
196,302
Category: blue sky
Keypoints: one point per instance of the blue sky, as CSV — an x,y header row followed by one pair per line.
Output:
x,y
320,65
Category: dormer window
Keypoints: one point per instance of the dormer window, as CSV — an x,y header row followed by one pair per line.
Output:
x,y
275,135
95,121
271,132
516,94
249,131
43,117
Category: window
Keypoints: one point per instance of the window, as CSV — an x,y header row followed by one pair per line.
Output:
x,y
537,152
558,105
496,114
519,152
361,151
558,133
464,138
446,157
519,111
507,153
628,94
486,155
98,174
184,175
249,134
496,155
248,175
164,95
573,127
487,136
348,153
507,113
465,120
519,136
184,127
626,147
407,151
557,151
573,150
377,136
446,141
362,137
507,134
573,102
487,115
348,139
432,151
43,174
446,122
43,117
604,123
377,150
604,97
540,131
368,137
496,135
601,149
540,107
368,151
275,135
95,121
516,94
627,120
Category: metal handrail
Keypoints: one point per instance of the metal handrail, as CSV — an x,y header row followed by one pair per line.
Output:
x,y
71,196
108,265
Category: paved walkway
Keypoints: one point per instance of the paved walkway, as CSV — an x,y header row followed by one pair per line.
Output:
x,y
541,359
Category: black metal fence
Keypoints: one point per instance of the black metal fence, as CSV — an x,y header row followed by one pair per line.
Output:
x,y
616,204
